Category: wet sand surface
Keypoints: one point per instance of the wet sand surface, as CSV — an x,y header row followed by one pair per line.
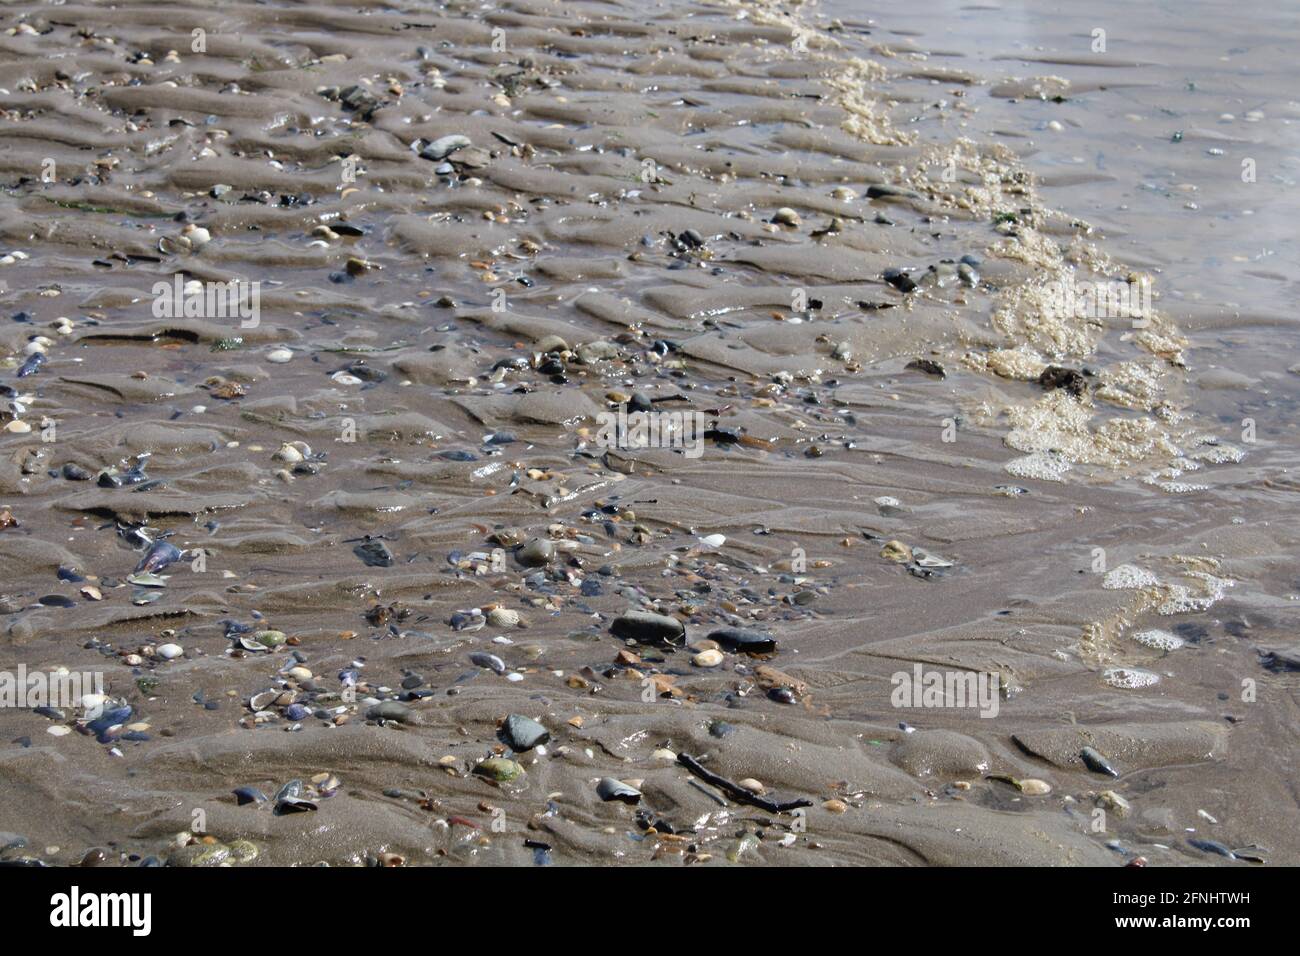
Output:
x,y
692,208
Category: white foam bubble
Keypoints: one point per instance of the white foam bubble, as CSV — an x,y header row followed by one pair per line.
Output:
x,y
1159,640
1126,576
1183,599
1040,465
1129,678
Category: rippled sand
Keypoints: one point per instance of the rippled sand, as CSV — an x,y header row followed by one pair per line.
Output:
x,y
701,205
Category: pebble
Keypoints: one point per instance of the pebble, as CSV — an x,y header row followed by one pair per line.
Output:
x,y
392,710
709,658
744,640
1115,803
896,551
534,553
279,356
646,627
374,554
170,652
523,733
444,146
499,769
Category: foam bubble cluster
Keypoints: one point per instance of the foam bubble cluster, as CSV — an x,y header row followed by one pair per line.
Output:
x,y
1040,465
1159,640
1126,576
1129,678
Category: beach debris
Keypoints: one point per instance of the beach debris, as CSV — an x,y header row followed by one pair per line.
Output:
x,y
744,640
610,789
646,627
736,791
1097,763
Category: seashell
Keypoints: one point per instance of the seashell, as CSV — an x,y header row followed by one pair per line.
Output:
x,y
158,557
290,804
173,245
490,661
147,579
246,795
928,559
503,617
263,699
288,453
610,789
114,717
1095,762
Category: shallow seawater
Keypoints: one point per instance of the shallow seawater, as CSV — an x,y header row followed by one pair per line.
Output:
x,y
985,535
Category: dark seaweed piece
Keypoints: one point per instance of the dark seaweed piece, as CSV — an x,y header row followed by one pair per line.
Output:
x,y
928,366
899,279
736,791
1072,380
1212,846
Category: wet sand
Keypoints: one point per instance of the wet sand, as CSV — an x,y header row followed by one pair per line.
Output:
x,y
698,205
